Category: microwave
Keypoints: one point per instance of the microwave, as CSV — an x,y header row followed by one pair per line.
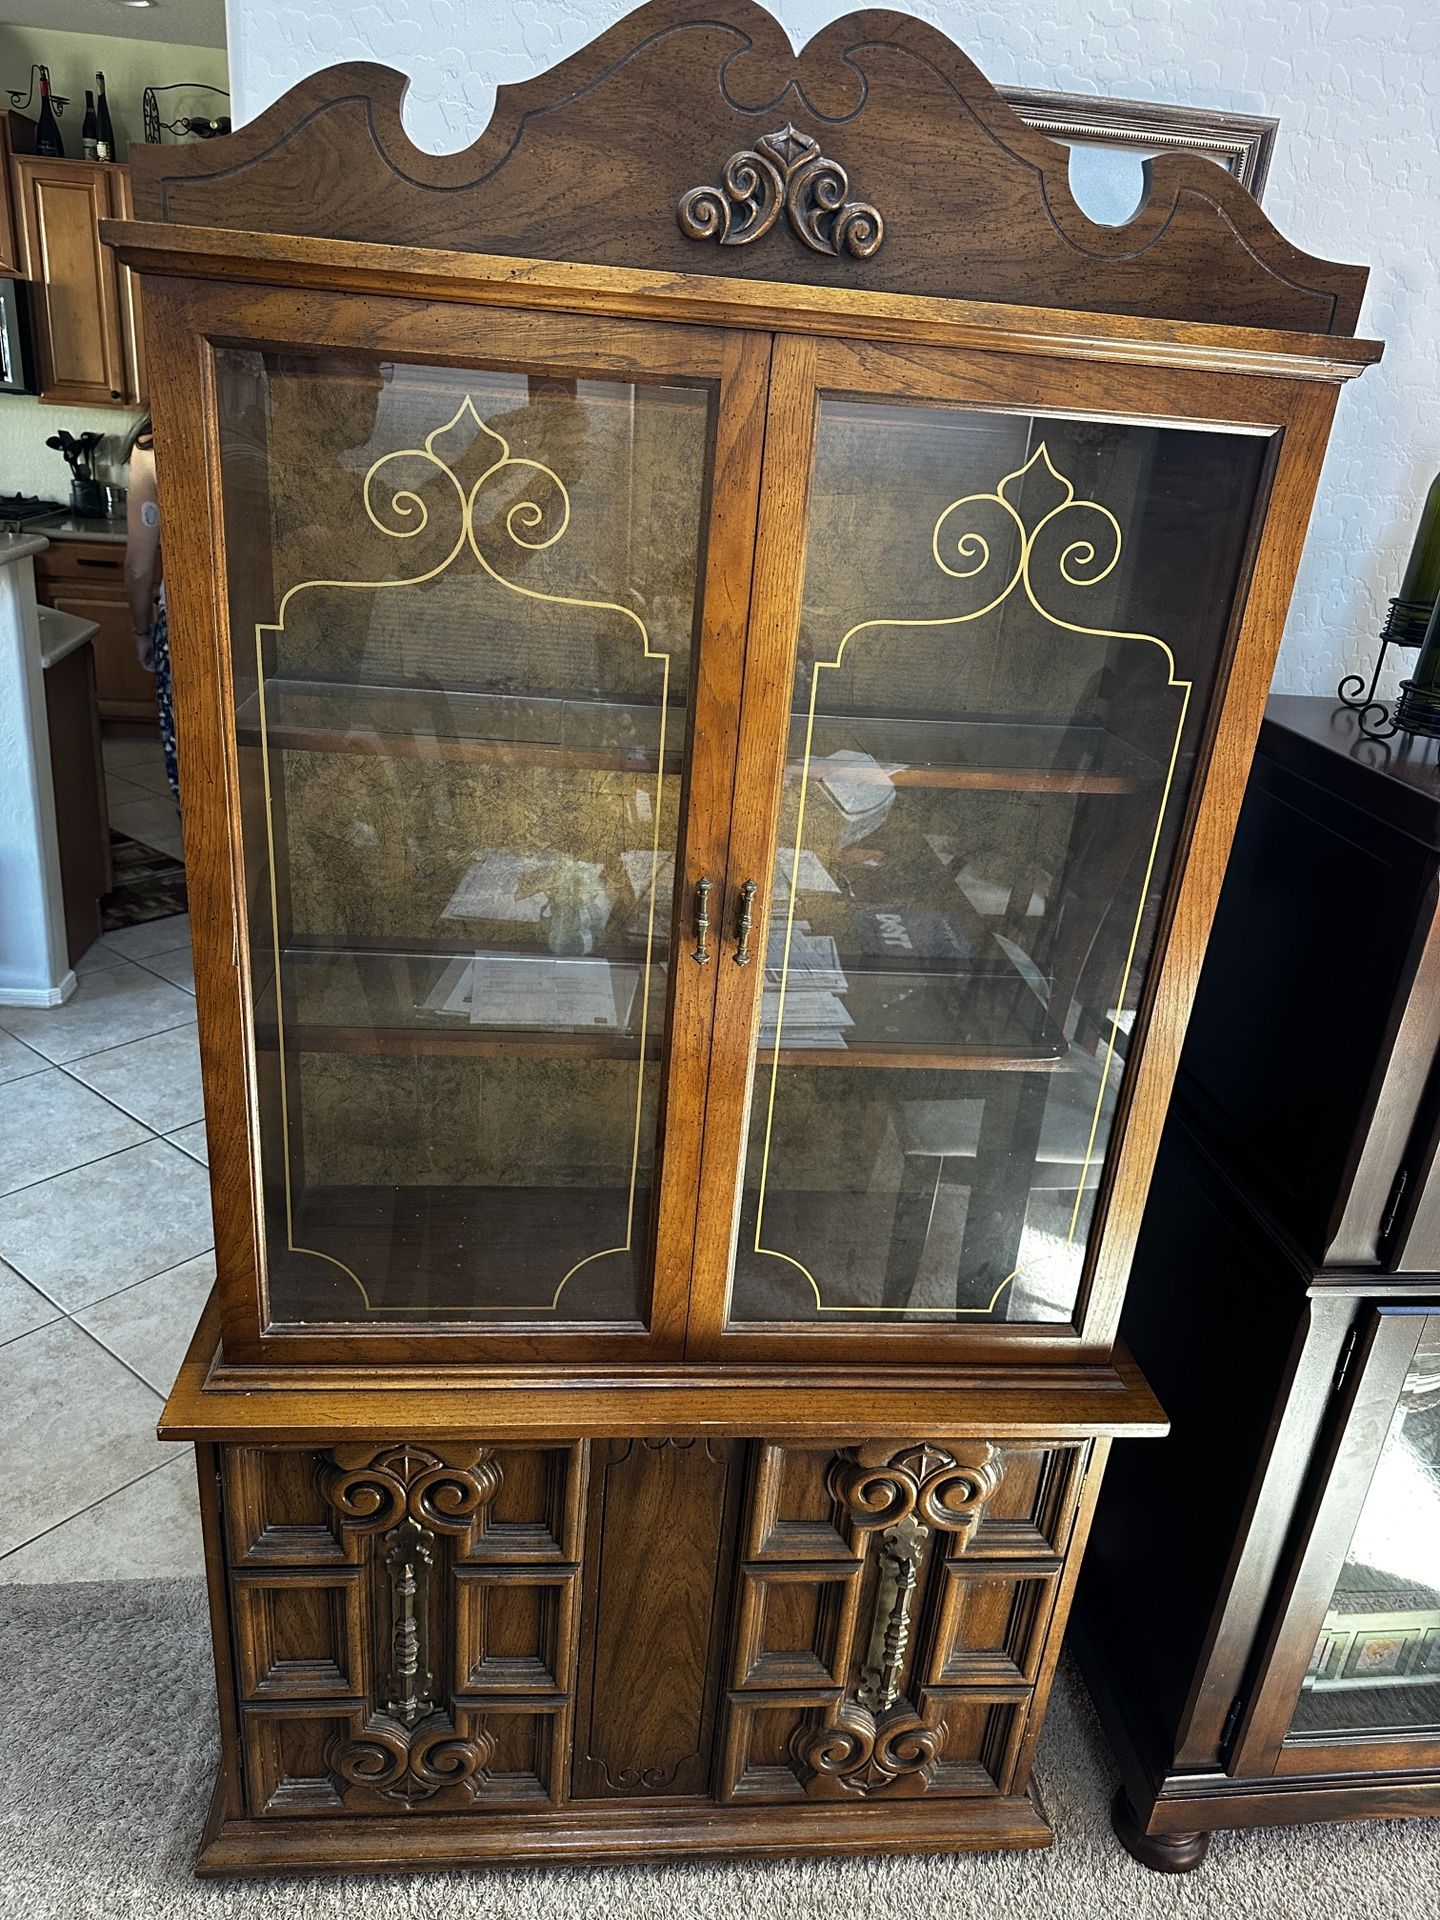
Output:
x,y
17,367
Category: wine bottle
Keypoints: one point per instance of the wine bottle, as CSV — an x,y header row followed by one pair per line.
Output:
x,y
104,132
1418,708
89,131
47,128
1420,589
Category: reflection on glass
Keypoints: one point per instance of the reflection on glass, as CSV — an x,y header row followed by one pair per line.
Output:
x,y
461,609
1009,631
1376,1665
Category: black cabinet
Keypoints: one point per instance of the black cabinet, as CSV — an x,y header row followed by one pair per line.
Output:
x,y
1272,1651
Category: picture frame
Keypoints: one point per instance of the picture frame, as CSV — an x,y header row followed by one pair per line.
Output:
x,y
1242,143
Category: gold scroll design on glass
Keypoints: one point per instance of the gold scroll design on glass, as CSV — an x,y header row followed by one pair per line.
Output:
x,y
974,551
524,522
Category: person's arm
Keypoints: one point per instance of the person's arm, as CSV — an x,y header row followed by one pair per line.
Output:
x,y
142,548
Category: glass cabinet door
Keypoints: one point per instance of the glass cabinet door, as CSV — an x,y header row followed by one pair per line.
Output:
x,y
465,608
998,677
1347,1678
1375,1668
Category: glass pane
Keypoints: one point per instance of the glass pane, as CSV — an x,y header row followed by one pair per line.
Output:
x,y
1009,635
461,608
1376,1665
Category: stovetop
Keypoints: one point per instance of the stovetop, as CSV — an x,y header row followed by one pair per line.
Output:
x,y
20,507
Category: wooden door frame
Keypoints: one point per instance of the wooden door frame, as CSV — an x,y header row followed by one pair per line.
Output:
x,y
185,323
1296,414
1344,1471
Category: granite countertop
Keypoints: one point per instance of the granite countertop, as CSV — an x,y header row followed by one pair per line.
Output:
x,y
18,546
74,526
61,633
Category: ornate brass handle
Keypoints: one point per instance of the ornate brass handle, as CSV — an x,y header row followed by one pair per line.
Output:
x,y
701,954
744,922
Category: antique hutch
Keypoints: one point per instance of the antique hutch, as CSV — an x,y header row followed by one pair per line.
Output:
x,y
1279,1657
719,635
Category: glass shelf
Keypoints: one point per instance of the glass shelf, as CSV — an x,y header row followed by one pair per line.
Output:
x,y
998,754
400,722
530,1005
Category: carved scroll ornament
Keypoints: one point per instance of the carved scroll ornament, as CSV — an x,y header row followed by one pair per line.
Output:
x,y
946,1490
409,1764
410,1749
372,1492
856,1753
875,1741
784,171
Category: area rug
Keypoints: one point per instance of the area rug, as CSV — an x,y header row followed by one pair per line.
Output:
x,y
108,1726
149,884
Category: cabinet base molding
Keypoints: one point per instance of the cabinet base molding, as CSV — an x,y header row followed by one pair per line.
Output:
x,y
599,1836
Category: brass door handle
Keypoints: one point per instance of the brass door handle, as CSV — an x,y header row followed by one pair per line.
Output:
x,y
744,922
701,953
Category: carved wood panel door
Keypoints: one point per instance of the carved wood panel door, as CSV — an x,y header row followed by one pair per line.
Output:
x,y
999,613
483,585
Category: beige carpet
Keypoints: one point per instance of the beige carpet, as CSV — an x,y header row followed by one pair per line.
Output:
x,y
106,1731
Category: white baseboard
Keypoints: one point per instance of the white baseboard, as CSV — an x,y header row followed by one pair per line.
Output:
x,y
39,996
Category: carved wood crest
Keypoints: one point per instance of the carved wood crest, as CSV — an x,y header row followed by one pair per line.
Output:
x,y
782,170
590,161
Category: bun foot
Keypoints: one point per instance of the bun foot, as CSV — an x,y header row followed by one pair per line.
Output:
x,y
1161,1852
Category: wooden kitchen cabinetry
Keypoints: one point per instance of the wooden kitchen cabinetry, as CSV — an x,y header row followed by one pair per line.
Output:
x,y
87,578
712,729
17,135
82,304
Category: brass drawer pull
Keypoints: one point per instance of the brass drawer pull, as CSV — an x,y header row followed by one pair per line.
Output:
x,y
702,922
744,922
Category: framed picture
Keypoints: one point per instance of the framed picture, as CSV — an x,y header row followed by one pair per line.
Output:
x,y
1241,142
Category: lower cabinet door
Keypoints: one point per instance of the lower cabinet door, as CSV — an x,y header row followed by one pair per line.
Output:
x,y
449,1629
404,1624
894,1609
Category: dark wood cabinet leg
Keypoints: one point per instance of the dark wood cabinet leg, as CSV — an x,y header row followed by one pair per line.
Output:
x,y
1161,1852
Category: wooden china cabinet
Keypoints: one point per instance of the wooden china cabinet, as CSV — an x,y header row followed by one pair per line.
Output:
x,y
718,637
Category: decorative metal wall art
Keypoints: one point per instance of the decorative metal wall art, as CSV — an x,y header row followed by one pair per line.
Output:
x,y
782,171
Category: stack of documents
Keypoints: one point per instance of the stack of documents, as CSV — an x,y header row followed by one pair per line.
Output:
x,y
814,1013
521,992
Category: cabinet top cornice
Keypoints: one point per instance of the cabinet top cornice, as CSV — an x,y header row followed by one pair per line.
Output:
x,y
691,138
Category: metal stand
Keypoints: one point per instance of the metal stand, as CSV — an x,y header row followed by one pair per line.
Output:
x,y
1404,627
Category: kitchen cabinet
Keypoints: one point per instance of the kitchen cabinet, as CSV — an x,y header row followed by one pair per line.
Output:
x,y
82,826
87,578
708,770
1277,1657
82,306
17,135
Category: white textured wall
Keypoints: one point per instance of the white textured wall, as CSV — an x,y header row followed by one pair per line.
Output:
x,y
1356,176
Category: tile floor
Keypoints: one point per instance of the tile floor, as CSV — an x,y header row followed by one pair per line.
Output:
x,y
105,1240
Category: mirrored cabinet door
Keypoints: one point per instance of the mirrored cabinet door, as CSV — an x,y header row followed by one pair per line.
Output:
x,y
1007,637
466,607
